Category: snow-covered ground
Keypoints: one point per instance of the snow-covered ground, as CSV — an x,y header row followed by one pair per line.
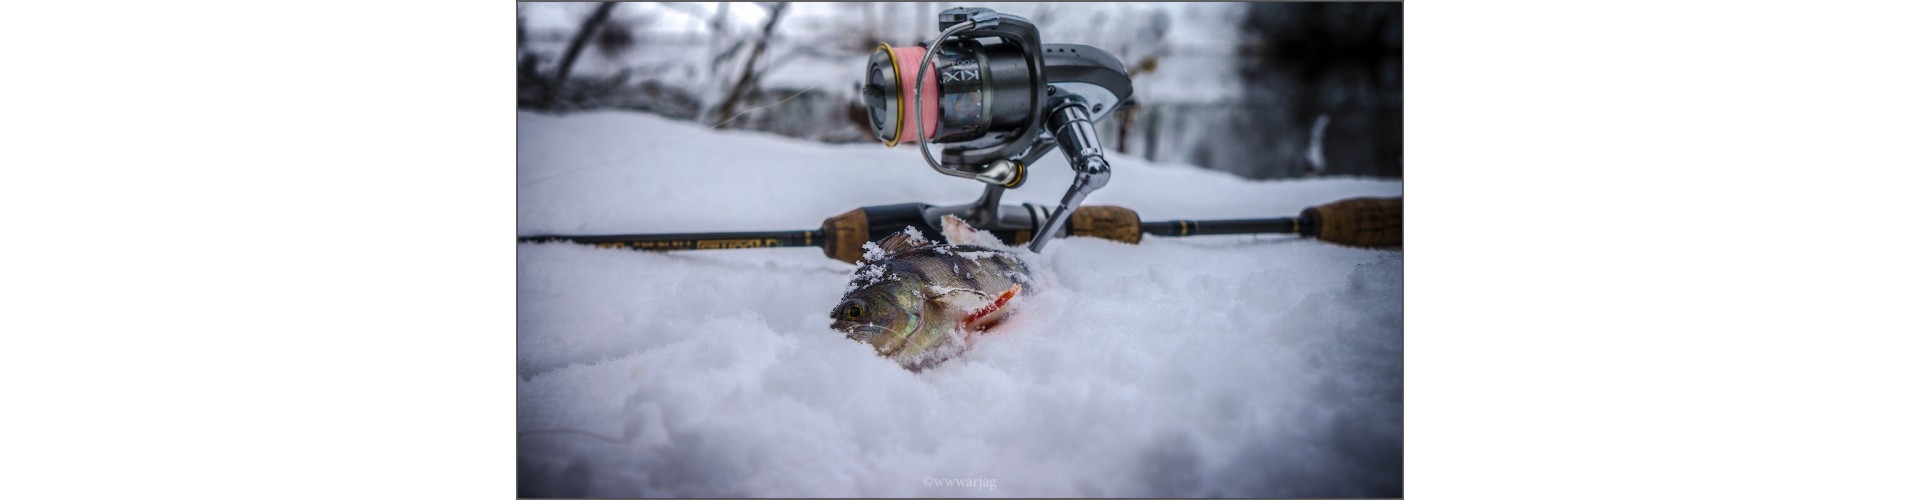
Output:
x,y
1204,366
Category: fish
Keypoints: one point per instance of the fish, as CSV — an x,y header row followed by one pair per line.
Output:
x,y
920,303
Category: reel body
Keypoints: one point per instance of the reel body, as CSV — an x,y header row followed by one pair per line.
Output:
x,y
997,99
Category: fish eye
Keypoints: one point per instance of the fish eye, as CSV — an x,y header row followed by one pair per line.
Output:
x,y
852,312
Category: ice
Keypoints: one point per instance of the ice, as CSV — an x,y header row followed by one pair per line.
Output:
x,y
1202,366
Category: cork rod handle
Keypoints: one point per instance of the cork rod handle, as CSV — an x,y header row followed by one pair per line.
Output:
x,y
1358,222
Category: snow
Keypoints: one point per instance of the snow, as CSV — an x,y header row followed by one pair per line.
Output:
x,y
1203,366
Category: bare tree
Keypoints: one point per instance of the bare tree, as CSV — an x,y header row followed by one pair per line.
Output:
x,y
587,29
749,77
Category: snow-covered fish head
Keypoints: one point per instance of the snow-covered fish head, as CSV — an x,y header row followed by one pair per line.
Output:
x,y
887,314
914,301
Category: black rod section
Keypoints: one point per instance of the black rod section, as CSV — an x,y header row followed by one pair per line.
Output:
x,y
694,241
1288,225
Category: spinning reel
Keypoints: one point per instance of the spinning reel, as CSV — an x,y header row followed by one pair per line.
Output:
x,y
997,99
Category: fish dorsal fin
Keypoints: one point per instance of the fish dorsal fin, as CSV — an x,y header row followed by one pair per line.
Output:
x,y
902,241
958,232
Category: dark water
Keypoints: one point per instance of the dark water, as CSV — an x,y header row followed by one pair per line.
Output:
x,y
1321,95
1333,70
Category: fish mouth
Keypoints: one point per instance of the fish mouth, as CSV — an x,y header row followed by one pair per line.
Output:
x,y
878,337
867,334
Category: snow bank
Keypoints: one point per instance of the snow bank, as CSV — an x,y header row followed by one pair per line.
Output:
x,y
1231,366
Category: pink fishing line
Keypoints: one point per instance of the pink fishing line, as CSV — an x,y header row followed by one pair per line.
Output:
x,y
909,59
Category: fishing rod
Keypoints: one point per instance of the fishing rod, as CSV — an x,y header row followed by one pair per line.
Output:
x,y
997,99
1356,222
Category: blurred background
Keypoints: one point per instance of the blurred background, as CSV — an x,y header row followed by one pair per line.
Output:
x,y
1260,90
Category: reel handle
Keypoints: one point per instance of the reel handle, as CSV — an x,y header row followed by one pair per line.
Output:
x,y
1072,125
